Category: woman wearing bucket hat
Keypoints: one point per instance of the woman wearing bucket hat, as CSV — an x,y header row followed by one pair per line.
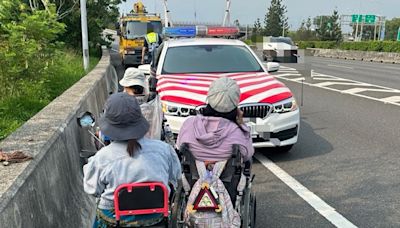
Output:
x,y
210,136
135,84
131,157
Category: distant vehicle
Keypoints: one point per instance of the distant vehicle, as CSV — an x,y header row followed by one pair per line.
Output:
x,y
132,29
279,49
186,67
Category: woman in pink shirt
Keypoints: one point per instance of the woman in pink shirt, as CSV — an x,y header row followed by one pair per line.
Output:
x,y
210,136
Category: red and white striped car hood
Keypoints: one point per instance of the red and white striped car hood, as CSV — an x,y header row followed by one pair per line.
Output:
x,y
191,89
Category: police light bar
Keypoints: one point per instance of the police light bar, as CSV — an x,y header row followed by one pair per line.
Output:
x,y
192,31
180,31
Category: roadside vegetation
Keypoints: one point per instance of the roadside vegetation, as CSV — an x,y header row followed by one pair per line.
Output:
x,y
379,46
322,31
40,53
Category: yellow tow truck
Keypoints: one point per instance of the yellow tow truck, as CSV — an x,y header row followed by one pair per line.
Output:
x,y
132,29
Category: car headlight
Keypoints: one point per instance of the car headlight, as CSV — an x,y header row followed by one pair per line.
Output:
x,y
177,110
287,105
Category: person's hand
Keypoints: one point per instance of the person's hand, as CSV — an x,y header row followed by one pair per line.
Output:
x,y
239,118
142,62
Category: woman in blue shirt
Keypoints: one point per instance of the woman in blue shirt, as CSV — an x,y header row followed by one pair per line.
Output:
x,y
131,157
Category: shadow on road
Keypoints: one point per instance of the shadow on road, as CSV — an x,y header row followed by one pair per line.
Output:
x,y
309,144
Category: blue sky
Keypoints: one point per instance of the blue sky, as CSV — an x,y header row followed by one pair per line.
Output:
x,y
247,11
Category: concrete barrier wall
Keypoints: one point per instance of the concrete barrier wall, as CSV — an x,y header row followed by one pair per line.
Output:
x,y
48,191
370,56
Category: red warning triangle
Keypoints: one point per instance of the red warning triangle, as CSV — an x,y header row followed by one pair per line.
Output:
x,y
205,200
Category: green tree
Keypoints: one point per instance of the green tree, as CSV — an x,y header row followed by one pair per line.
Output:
x,y
236,22
100,14
391,29
28,42
308,24
304,33
335,30
257,27
276,23
328,27
321,23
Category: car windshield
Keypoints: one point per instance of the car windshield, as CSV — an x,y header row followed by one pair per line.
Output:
x,y
136,29
210,59
285,40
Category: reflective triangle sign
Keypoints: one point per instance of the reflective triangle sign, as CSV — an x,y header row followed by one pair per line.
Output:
x,y
206,200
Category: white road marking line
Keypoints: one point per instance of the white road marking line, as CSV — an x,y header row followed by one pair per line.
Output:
x,y
299,79
338,66
325,84
359,90
288,68
288,71
337,90
285,75
317,203
112,49
359,83
391,99
329,78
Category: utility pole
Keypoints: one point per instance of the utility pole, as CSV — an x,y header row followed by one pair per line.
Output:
x,y
167,21
361,30
227,17
356,36
247,31
85,46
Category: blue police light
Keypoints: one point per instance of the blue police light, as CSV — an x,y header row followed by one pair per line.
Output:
x,y
189,31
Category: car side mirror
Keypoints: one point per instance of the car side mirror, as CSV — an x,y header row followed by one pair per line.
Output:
x,y
272,67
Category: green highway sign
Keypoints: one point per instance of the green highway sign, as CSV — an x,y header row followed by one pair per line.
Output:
x,y
398,35
357,18
370,19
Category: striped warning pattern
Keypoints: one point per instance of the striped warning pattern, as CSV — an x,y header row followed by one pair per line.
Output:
x,y
191,89
342,85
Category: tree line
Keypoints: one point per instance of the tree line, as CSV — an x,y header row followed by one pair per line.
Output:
x,y
320,28
40,52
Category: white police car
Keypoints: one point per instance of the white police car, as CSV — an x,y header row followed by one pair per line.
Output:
x,y
185,68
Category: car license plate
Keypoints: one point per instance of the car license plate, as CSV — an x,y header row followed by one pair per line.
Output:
x,y
252,127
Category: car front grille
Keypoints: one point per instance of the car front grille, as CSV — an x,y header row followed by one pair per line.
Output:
x,y
249,110
256,110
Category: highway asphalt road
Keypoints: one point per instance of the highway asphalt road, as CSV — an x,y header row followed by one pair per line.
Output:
x,y
347,155
382,74
347,152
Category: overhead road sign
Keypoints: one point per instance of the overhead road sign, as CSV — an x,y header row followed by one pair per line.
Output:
x,y
370,19
357,18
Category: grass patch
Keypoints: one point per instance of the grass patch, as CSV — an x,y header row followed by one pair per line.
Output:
x,y
33,95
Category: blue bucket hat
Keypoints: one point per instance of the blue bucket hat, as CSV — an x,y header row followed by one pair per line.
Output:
x,y
122,119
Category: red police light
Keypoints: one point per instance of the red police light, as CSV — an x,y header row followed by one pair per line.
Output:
x,y
222,31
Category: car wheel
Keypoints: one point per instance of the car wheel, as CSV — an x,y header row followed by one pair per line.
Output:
x,y
178,207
